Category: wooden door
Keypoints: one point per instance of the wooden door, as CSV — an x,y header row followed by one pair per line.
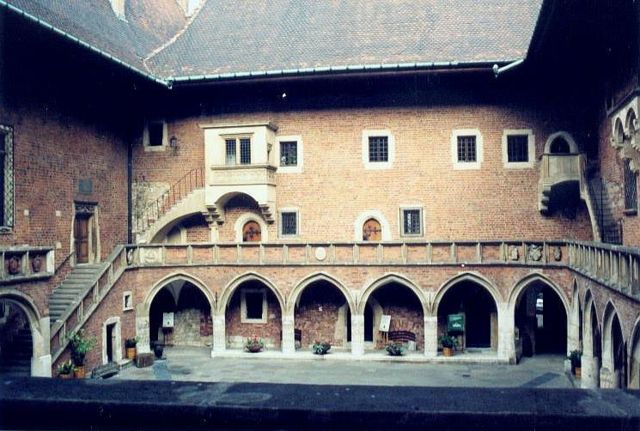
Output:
x,y
371,230
81,236
251,232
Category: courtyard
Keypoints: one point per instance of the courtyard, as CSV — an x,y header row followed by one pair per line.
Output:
x,y
196,364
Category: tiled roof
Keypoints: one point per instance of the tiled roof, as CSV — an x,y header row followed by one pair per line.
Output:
x,y
149,24
230,36
241,36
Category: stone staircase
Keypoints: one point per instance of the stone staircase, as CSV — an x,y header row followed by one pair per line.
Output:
x,y
17,361
79,280
609,227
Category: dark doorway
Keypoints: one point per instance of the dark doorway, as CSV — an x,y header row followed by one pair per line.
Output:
x,y
541,320
81,237
110,341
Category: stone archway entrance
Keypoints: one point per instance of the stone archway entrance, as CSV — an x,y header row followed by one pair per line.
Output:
x,y
16,343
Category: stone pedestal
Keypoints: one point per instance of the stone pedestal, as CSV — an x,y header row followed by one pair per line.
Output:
x,y
506,337
609,379
41,366
142,329
590,372
357,335
219,335
288,335
431,336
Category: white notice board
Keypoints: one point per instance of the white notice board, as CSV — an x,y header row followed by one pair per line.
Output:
x,y
167,320
385,321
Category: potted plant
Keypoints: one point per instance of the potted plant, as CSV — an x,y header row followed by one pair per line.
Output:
x,y
254,344
65,370
130,345
395,348
80,346
575,356
448,344
158,349
321,347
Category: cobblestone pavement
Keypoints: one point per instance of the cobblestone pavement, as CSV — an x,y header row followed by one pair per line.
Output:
x,y
195,364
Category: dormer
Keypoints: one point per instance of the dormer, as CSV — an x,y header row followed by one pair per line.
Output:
x,y
118,7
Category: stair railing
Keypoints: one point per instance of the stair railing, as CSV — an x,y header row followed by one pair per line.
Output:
x,y
191,181
87,301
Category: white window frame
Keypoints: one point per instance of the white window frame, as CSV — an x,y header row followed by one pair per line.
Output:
x,y
300,152
391,142
457,165
238,138
289,210
243,305
125,295
404,208
146,139
531,142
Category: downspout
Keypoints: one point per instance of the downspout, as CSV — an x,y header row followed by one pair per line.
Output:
x,y
497,70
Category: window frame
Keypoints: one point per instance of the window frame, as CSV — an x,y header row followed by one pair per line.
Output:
x,y
280,219
238,149
8,194
391,149
243,305
299,154
146,138
461,165
531,148
401,220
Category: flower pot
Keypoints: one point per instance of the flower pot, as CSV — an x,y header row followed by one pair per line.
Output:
x,y
254,349
578,372
447,351
67,376
79,372
131,353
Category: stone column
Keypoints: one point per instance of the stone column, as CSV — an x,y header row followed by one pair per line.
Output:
x,y
41,359
219,334
288,335
506,335
357,334
431,336
142,329
590,372
573,333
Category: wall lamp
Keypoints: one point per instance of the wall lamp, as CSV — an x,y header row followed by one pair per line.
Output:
x,y
173,144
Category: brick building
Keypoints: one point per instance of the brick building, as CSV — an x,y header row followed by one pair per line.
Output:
x,y
304,171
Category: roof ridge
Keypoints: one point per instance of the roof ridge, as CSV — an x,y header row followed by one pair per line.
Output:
x,y
173,39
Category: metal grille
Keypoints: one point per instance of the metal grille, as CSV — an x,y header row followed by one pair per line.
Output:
x,y
230,145
245,151
412,225
630,187
7,181
518,148
378,149
288,153
466,148
289,223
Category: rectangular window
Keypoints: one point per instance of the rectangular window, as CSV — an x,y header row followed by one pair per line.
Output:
x,y
412,221
245,151
6,178
156,134
630,188
467,149
518,148
289,223
378,149
230,145
288,153
253,302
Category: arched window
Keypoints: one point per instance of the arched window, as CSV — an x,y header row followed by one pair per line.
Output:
x,y
371,230
560,146
251,232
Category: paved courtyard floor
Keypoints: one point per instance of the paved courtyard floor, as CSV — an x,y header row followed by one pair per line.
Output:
x,y
196,364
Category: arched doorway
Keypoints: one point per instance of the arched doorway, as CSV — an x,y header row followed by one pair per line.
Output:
x,y
477,307
541,320
180,315
634,359
402,307
321,314
253,311
16,343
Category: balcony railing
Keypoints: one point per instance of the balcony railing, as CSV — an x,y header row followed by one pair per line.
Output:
x,y
242,175
615,267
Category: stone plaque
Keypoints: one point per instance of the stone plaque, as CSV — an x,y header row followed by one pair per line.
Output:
x,y
85,187
385,322
321,253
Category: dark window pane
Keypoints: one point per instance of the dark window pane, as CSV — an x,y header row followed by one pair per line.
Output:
x,y
245,151
518,148
289,223
466,148
253,302
378,149
412,222
630,187
230,145
156,132
288,153
5,168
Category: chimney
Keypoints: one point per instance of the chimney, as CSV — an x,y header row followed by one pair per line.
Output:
x,y
118,7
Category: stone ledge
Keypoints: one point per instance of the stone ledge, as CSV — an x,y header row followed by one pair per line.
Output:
x,y
160,405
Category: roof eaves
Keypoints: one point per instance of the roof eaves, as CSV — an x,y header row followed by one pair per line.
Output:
x,y
327,70
83,43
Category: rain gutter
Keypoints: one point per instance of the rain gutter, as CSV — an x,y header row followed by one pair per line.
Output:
x,y
82,43
497,70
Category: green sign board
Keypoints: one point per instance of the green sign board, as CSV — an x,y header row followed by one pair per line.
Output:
x,y
456,323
